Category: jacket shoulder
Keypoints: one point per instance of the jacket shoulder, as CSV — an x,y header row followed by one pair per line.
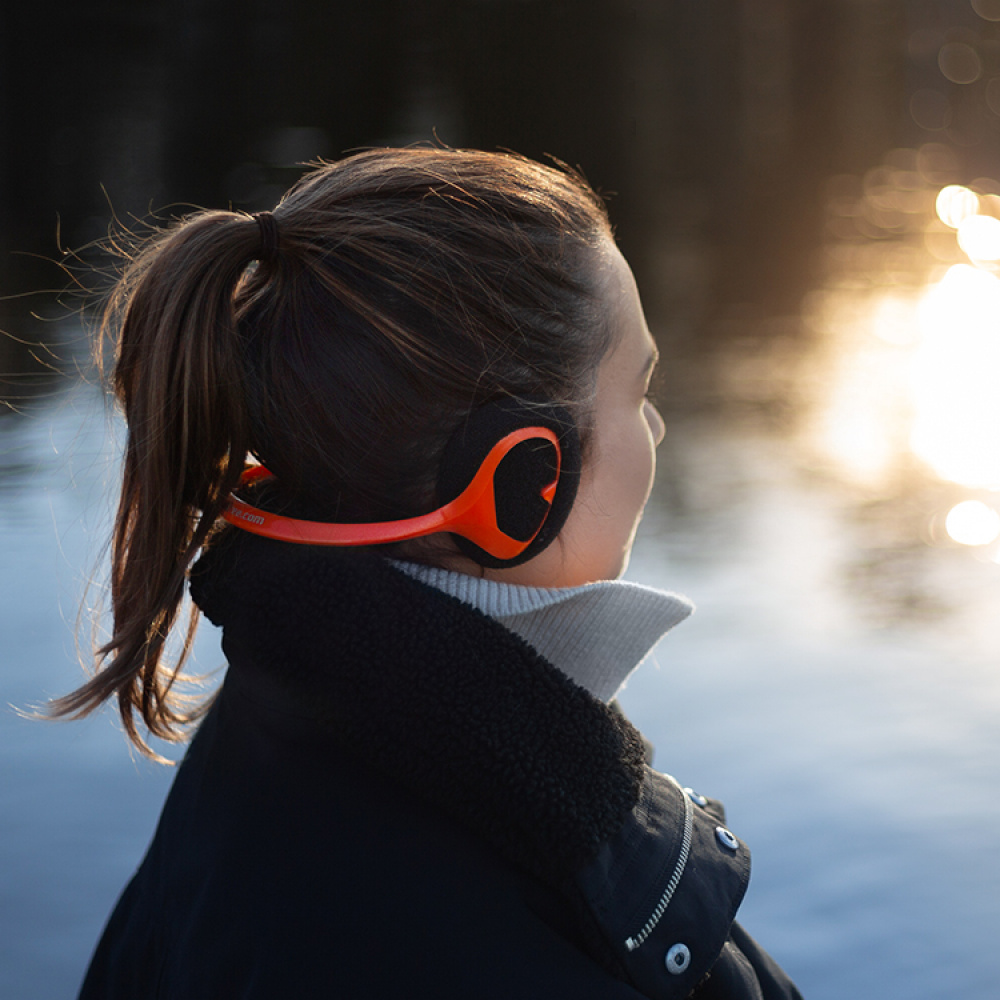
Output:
x,y
662,895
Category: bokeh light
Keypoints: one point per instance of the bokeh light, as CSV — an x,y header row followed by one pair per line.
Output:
x,y
960,63
979,237
955,204
988,10
972,522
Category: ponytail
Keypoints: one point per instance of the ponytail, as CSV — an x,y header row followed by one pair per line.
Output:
x,y
178,378
395,291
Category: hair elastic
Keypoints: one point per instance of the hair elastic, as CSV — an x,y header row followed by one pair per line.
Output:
x,y
268,226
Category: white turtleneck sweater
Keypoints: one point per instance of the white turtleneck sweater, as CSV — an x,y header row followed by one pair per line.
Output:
x,y
596,634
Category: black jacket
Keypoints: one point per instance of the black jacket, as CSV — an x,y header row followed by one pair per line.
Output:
x,y
394,796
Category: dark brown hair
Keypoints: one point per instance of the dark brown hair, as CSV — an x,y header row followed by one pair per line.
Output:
x,y
400,289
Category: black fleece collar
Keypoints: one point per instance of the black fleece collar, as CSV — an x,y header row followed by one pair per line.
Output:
x,y
430,692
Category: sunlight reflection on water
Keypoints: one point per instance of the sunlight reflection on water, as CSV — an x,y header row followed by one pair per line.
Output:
x,y
838,526
901,386
956,378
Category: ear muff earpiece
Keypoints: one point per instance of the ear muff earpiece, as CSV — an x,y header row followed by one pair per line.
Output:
x,y
527,508
509,473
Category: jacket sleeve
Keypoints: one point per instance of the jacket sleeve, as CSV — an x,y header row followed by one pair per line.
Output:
x,y
663,893
744,969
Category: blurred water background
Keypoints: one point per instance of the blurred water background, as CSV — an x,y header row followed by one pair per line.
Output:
x,y
810,197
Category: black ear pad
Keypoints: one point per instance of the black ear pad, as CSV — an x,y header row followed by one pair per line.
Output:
x,y
521,476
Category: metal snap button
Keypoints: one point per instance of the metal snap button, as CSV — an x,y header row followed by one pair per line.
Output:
x,y
698,800
678,959
726,838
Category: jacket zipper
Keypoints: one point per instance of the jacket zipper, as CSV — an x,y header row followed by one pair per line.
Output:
x,y
634,942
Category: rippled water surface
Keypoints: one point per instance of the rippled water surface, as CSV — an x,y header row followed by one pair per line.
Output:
x,y
839,693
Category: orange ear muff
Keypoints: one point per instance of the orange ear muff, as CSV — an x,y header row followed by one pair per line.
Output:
x,y
472,515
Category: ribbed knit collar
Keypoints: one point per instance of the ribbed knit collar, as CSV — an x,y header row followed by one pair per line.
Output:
x,y
596,634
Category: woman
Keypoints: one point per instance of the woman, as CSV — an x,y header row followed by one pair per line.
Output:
x,y
411,782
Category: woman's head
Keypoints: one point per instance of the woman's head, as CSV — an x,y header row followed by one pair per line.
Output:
x,y
625,429
408,287
341,344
